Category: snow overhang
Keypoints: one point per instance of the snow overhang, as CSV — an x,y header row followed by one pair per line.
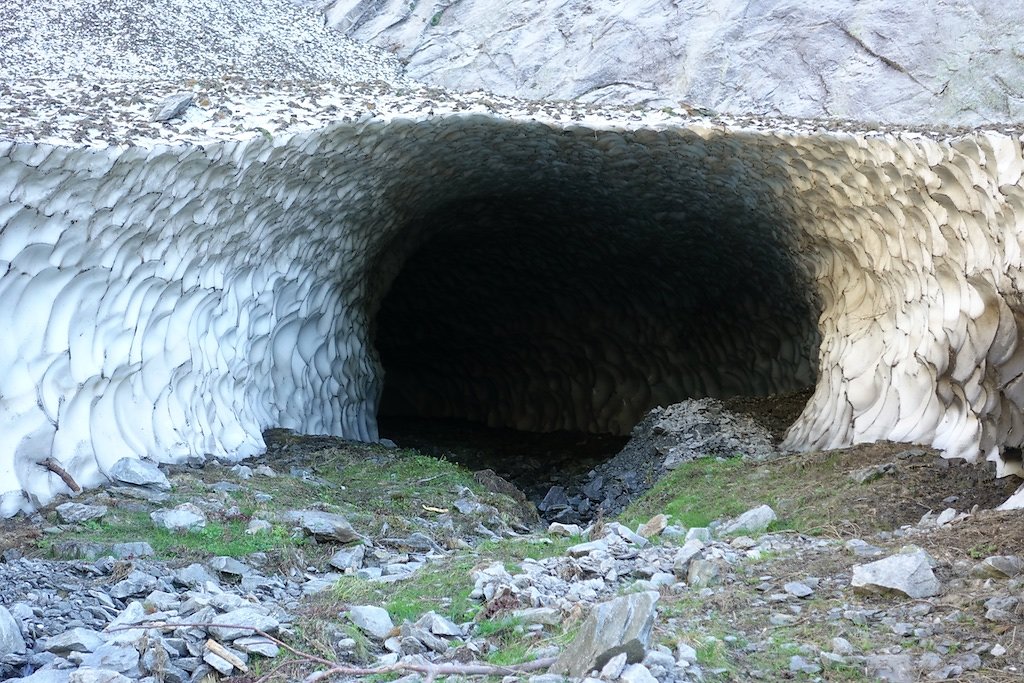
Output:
x,y
173,290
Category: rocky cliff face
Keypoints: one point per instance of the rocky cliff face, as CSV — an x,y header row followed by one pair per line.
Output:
x,y
936,61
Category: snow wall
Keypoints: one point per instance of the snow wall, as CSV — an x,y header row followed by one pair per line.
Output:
x,y
171,302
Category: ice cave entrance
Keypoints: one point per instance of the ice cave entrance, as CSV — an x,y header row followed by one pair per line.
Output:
x,y
578,308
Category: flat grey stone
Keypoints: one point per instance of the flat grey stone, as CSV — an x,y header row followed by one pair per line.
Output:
x,y
613,667
909,573
798,664
87,674
349,558
173,106
139,473
422,638
76,513
11,640
702,573
999,567
637,673
230,566
374,621
184,517
323,526
583,549
241,622
134,549
222,665
891,668
73,640
753,521
194,575
798,589
621,625
439,626
121,658
681,562
257,645
136,583
862,548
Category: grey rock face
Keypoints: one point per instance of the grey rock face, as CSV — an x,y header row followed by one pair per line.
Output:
x,y
867,59
323,526
185,517
74,513
374,621
11,641
909,572
622,625
139,473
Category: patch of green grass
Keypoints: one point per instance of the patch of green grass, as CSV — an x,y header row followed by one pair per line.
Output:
x,y
711,653
513,653
514,550
216,538
694,494
498,627
443,587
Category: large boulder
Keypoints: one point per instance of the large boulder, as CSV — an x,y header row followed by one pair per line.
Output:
x,y
622,625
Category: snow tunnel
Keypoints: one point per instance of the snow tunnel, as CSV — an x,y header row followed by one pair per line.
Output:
x,y
172,300
594,291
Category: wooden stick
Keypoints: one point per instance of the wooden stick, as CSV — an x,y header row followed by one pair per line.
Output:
x,y
222,652
55,467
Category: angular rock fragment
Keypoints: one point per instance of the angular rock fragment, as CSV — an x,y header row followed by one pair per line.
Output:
x,y
752,521
173,106
184,517
139,473
243,622
323,526
75,513
11,640
73,640
622,625
375,621
909,572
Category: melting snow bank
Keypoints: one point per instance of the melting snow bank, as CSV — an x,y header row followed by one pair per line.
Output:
x,y
170,290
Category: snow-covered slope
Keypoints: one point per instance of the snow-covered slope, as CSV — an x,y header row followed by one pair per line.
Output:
x,y
169,41
934,61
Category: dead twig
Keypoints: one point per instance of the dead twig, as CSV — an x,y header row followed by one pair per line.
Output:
x,y
55,467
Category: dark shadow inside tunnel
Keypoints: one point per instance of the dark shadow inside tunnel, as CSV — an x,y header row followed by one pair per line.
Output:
x,y
573,309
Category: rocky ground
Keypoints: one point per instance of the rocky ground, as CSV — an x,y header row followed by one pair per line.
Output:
x,y
327,559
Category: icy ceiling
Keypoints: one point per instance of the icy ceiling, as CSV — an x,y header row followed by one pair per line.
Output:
x,y
535,269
